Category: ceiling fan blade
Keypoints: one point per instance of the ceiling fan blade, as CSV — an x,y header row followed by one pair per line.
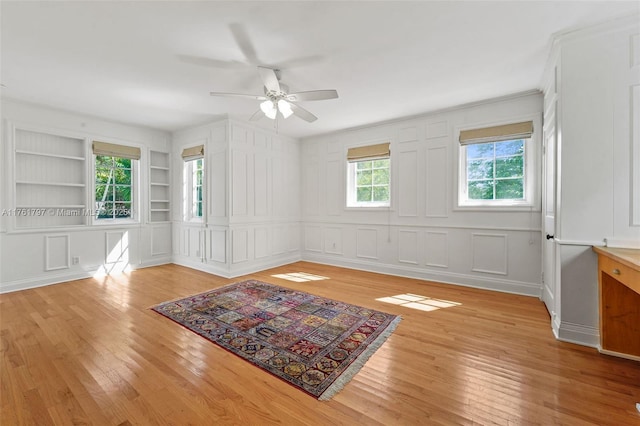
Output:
x,y
299,62
269,79
257,115
239,95
243,41
300,112
312,95
210,62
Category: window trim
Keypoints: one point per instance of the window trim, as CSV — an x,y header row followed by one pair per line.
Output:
x,y
532,175
135,195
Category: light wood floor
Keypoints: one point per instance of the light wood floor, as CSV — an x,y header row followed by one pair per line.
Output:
x,y
91,352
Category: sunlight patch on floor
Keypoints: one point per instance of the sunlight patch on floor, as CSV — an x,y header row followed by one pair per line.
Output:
x,y
300,277
415,301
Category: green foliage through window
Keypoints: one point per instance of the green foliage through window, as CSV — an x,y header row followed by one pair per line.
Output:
x,y
113,194
495,170
372,181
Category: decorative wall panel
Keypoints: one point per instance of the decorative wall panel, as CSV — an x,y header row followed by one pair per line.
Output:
x,y
408,247
334,191
367,243
407,134
218,245
437,129
333,240
57,252
239,245
261,242
116,247
260,185
160,241
313,238
436,182
408,190
437,249
489,253
240,183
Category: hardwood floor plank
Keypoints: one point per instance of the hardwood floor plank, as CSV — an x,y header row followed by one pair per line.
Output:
x,y
92,352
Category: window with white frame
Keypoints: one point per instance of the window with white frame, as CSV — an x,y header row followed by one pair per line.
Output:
x,y
496,166
115,183
193,180
369,176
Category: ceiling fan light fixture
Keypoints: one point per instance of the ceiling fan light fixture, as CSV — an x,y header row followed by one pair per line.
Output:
x,y
267,106
285,108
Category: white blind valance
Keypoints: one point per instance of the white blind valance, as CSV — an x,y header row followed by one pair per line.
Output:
x,y
113,150
193,153
369,151
505,132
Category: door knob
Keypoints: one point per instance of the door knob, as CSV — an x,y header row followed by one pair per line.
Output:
x,y
549,237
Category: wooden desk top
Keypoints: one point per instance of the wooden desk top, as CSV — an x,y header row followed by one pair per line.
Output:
x,y
628,257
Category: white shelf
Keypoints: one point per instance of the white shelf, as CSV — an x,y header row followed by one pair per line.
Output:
x,y
28,182
49,173
159,178
44,154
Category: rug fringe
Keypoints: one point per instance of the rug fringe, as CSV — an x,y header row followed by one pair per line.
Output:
x,y
357,365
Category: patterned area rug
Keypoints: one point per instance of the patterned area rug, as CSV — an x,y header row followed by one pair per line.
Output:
x,y
314,343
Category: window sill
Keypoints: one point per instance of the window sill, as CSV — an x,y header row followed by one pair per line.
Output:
x,y
498,207
369,209
115,222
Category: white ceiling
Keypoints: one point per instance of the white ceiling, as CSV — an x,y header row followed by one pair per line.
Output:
x,y
154,63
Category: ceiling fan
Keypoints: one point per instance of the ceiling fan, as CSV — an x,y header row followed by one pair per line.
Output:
x,y
277,98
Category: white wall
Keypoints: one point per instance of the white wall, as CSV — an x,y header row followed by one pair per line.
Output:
x,y
599,169
424,234
32,257
252,200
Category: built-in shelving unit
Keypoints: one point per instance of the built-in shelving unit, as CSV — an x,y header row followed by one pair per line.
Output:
x,y
50,180
159,194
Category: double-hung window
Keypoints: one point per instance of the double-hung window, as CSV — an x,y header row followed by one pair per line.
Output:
x,y
193,180
369,176
115,171
496,166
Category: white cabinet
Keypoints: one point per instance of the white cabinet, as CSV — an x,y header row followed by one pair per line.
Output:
x,y
159,193
50,180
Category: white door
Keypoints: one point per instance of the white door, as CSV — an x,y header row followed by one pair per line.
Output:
x,y
548,216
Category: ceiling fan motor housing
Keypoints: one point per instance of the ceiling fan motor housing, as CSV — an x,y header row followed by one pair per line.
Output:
x,y
275,95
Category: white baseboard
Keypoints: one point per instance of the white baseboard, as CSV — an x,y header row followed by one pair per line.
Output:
x,y
579,334
41,281
486,283
57,278
236,269
252,267
618,354
199,266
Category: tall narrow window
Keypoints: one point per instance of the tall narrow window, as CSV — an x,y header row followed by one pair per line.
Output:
x,y
193,183
368,176
197,188
115,183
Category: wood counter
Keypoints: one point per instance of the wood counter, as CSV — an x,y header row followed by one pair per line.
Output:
x,y
619,295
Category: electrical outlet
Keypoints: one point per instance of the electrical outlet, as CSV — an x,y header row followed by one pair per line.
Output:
x,y
75,260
